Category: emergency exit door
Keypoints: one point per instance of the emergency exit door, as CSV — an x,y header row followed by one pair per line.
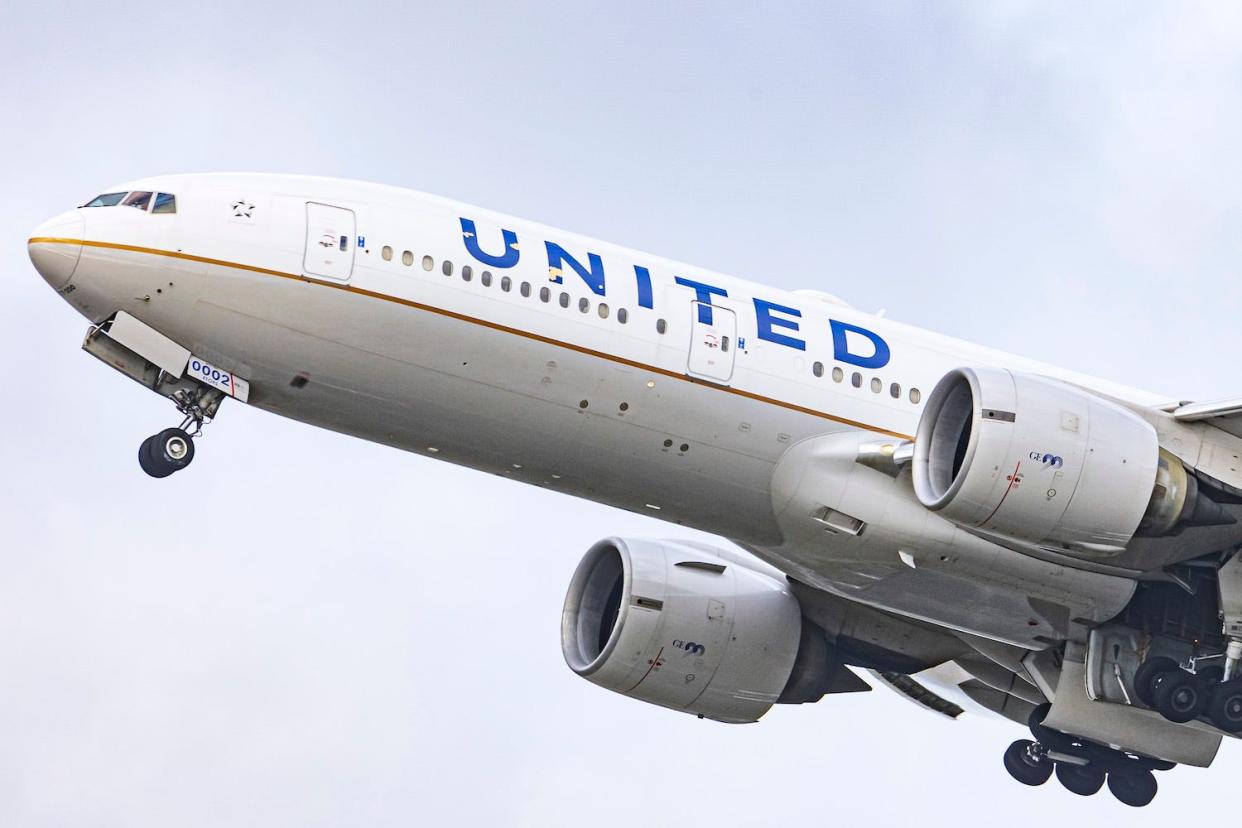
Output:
x,y
713,342
329,242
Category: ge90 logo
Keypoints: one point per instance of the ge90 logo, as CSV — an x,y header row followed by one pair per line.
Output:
x,y
1051,461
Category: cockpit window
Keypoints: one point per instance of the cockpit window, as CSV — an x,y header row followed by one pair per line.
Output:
x,y
139,199
105,200
165,203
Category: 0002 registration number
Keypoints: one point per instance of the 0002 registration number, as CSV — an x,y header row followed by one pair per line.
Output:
x,y
226,381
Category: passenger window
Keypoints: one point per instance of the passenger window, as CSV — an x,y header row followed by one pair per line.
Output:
x,y
564,300
876,385
602,310
447,270
139,199
485,277
661,326
105,200
386,253
894,391
525,290
584,304
407,258
505,282
915,395
623,315
837,374
818,369
165,203
544,294
856,380
428,263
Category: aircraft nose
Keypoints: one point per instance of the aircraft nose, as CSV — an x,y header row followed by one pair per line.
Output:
x,y
55,247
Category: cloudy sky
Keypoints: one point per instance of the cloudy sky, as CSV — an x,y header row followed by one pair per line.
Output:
x,y
375,643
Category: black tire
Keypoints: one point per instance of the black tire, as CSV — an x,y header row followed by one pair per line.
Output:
x,y
1224,707
1083,780
149,462
1179,696
1133,788
1211,676
1036,719
1025,766
1147,674
173,448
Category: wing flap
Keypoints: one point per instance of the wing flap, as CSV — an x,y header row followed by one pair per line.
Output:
x,y
1223,414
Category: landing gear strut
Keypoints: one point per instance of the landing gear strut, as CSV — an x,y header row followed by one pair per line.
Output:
x,y
1081,766
173,448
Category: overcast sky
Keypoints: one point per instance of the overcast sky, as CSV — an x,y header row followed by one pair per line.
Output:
x,y
374,642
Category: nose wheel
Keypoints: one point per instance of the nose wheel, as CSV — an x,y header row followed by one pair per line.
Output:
x,y
173,448
169,451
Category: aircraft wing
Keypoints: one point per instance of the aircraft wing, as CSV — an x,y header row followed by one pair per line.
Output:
x,y
1224,414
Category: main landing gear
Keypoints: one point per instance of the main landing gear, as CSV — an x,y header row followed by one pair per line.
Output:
x,y
1182,696
173,448
1082,767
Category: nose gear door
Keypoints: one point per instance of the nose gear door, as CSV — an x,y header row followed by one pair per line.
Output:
x,y
713,342
330,242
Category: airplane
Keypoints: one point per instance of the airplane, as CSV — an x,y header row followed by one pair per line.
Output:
x,y
971,529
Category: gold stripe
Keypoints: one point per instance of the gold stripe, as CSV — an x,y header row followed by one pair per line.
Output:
x,y
476,321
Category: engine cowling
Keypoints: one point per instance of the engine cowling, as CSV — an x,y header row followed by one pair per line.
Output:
x,y
1042,461
676,625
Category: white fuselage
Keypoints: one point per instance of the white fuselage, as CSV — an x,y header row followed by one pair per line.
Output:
x,y
354,313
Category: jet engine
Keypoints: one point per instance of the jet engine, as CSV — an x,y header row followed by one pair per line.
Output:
x,y
685,627
1042,461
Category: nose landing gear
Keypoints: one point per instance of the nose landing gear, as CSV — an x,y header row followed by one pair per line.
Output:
x,y
172,449
162,454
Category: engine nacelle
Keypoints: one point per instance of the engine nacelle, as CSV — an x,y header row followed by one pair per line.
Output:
x,y
676,625
1042,461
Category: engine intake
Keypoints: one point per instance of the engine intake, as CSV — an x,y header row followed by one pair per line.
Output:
x,y
676,625
1038,460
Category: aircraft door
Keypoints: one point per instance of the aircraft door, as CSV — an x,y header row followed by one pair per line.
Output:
x,y
713,342
330,242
